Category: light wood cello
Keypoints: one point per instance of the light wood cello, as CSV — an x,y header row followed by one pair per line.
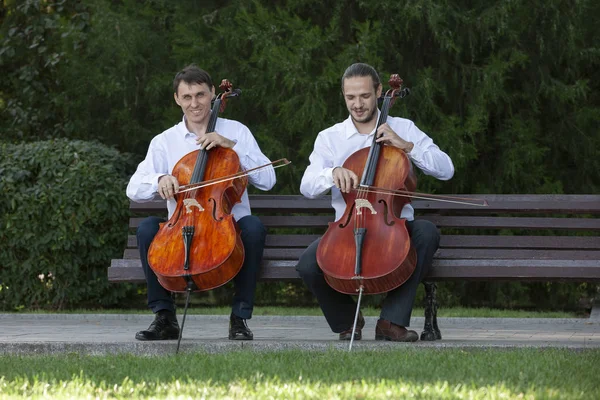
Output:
x,y
200,247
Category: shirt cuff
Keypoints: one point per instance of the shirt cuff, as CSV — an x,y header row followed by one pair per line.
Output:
x,y
152,180
328,175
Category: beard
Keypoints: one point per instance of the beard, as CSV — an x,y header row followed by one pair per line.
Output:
x,y
366,118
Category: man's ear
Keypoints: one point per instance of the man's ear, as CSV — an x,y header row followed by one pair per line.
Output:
x,y
379,90
176,99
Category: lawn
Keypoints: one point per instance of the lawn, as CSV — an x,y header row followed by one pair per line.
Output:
x,y
402,373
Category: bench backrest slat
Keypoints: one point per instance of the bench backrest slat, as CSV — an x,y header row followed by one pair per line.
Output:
x,y
280,253
442,221
572,204
454,241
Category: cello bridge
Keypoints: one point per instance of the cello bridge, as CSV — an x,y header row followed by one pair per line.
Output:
x,y
189,203
363,203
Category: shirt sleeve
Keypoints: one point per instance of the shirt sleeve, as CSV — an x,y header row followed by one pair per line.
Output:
x,y
143,185
318,177
251,156
427,155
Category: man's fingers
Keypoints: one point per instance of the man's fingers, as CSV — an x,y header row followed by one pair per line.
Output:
x,y
168,186
209,143
342,184
348,183
172,187
345,180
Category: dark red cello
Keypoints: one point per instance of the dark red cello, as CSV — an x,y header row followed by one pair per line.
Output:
x,y
368,249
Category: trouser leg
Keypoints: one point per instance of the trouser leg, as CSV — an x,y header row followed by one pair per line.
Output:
x,y
253,235
158,297
338,308
398,304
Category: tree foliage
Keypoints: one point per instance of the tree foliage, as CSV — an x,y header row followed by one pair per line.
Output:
x,y
31,54
509,89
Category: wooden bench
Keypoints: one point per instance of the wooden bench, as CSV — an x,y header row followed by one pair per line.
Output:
x,y
555,238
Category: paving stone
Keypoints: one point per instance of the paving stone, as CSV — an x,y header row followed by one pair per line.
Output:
x,y
114,333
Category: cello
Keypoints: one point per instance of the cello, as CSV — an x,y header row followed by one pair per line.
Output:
x,y
200,248
368,249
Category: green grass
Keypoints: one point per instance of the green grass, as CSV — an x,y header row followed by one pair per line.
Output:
x,y
402,373
417,312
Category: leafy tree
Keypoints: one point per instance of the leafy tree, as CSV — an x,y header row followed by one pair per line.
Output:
x,y
31,52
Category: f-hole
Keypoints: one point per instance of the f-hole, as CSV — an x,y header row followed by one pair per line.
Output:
x,y
176,219
385,213
214,203
345,224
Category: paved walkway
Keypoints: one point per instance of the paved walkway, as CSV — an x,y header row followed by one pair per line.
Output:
x,y
108,333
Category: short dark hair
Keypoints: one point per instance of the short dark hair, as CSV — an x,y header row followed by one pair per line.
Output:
x,y
361,69
192,74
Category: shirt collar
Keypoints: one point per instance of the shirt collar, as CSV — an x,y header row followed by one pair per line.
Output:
x,y
350,129
182,127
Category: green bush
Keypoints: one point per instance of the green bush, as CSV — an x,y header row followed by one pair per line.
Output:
x,y
64,215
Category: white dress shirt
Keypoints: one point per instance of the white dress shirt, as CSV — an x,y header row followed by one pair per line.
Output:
x,y
335,144
169,147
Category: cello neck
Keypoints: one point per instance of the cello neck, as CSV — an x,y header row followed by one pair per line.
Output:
x,y
200,166
368,176
218,106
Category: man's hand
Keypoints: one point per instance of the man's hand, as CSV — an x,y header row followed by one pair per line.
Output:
x,y
213,139
167,186
344,179
387,135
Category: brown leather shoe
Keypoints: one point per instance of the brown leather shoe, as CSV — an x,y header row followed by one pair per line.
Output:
x,y
347,334
385,330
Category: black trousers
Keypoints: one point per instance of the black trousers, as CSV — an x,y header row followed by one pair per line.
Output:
x,y
339,308
253,235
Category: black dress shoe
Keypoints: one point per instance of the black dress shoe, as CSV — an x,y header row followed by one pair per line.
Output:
x,y
238,330
163,327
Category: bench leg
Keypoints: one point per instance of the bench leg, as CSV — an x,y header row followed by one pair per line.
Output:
x,y
431,331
